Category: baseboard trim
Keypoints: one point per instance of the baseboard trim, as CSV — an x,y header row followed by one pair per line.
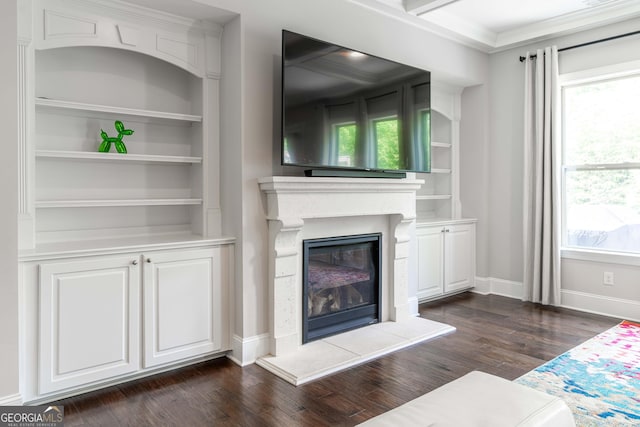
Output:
x,y
51,397
245,351
11,400
507,288
602,305
574,300
494,286
483,286
414,310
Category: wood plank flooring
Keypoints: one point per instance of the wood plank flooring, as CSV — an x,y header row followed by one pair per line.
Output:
x,y
498,335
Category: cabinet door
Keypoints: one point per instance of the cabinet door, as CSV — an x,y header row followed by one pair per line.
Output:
x,y
430,262
89,327
182,305
459,258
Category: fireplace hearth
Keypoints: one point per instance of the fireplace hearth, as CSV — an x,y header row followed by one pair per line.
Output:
x,y
301,208
341,284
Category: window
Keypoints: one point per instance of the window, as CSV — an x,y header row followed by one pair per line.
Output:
x,y
601,165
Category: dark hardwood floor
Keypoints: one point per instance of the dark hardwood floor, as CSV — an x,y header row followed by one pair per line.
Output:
x,y
498,335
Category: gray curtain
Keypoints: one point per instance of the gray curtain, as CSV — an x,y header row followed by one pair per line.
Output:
x,y
542,167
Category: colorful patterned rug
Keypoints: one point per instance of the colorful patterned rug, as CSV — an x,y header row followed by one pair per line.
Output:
x,y
599,379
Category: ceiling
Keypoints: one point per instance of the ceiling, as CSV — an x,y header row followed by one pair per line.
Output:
x,y
494,25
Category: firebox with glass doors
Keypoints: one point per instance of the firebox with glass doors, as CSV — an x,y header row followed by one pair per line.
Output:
x,y
341,284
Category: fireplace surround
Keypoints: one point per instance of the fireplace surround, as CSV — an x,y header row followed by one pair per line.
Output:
x,y
303,207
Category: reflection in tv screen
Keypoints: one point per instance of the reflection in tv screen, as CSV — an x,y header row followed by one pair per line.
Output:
x,y
347,110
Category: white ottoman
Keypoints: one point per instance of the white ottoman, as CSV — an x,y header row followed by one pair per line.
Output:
x,y
479,400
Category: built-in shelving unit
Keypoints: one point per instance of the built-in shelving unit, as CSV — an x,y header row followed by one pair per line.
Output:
x,y
437,198
158,185
85,65
445,250
120,252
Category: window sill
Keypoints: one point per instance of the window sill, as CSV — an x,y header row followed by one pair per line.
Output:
x,y
600,256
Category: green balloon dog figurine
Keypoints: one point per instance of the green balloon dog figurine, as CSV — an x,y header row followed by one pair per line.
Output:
x,y
117,140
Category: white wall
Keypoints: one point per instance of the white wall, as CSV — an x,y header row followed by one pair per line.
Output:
x,y
581,280
474,170
9,205
337,21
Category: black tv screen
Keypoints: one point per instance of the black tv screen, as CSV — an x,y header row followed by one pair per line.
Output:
x,y
344,109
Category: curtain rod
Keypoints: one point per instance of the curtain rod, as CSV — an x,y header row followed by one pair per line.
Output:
x,y
633,33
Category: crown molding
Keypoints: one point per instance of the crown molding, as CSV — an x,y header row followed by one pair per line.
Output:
x,y
572,23
418,7
398,13
461,30
465,32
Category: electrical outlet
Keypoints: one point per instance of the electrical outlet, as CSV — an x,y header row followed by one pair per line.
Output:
x,y
607,278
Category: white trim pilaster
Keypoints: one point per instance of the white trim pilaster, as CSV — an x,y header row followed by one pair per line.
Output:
x,y
26,111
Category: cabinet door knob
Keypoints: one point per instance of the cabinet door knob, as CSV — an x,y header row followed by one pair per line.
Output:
x,y
149,260
134,262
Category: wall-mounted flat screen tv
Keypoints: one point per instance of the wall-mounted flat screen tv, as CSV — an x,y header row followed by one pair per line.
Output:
x,y
344,109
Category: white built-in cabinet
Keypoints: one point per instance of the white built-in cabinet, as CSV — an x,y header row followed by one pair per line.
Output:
x,y
95,318
124,270
446,253
445,240
182,305
88,321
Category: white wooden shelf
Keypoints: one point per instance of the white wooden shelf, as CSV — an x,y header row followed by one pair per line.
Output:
x,y
430,222
434,197
115,203
116,157
440,144
80,106
440,170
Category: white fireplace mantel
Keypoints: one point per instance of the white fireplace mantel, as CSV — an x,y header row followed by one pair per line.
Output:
x,y
301,197
291,201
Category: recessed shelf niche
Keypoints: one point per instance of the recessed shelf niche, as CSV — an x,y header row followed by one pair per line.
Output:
x,y
157,187
435,199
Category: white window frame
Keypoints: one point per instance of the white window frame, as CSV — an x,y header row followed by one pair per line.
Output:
x,y
611,72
